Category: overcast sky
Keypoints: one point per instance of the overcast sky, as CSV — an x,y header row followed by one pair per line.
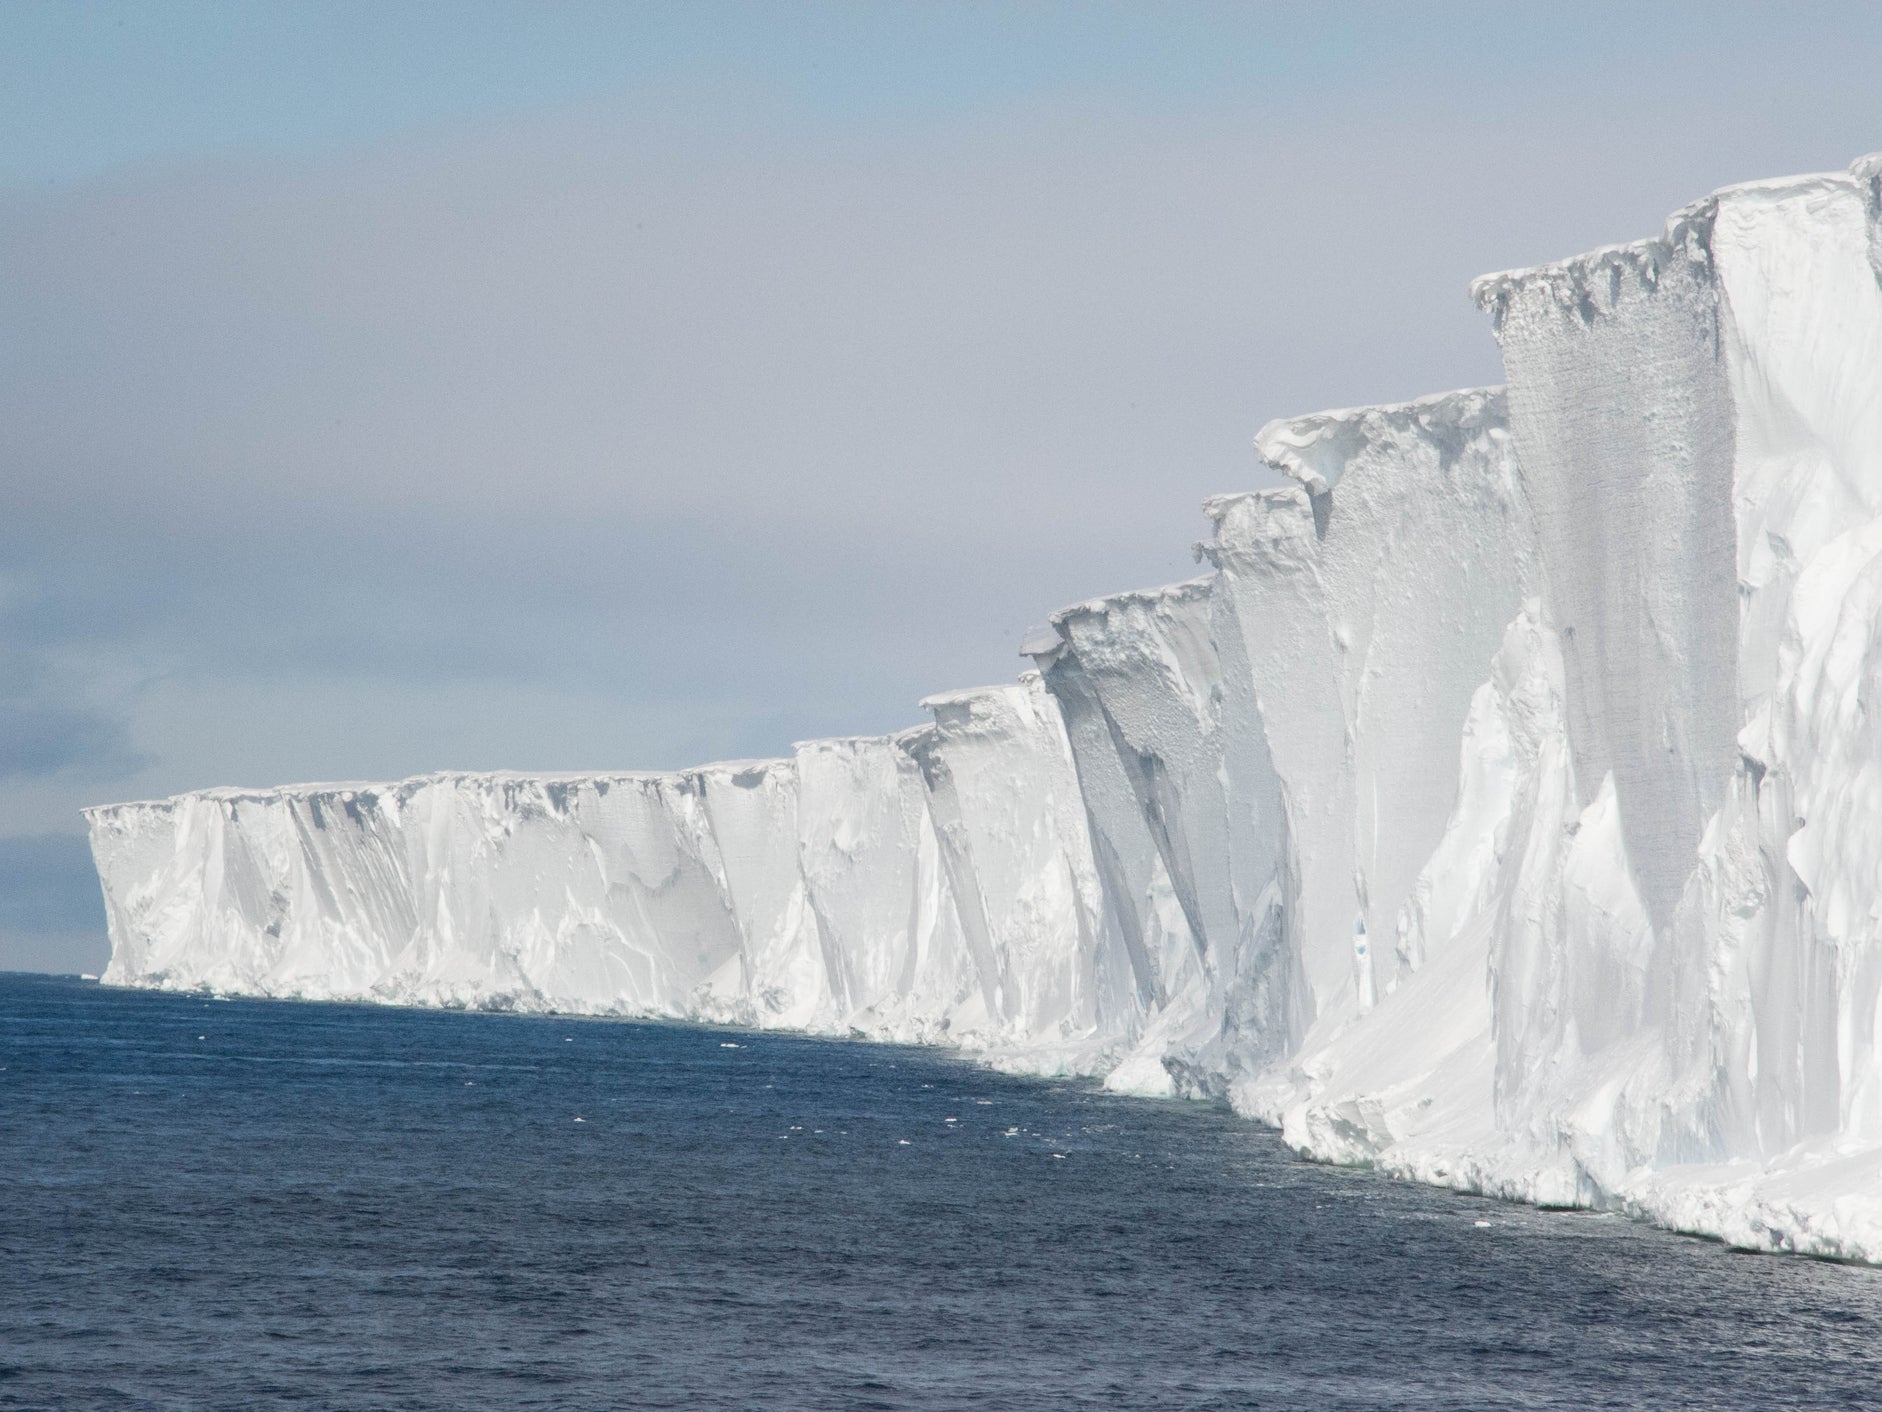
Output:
x,y
386,389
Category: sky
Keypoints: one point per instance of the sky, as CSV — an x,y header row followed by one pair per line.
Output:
x,y
387,389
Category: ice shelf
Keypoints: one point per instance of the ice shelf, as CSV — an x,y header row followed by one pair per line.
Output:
x,y
1502,810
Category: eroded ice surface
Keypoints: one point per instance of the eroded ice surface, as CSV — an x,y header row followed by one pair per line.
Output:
x,y
1503,808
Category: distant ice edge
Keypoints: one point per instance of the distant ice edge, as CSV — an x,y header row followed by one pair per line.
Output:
x,y
1502,809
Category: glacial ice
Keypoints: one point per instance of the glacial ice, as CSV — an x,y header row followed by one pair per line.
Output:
x,y
1503,809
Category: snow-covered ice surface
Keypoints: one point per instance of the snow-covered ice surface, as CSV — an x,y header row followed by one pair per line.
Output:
x,y
1503,809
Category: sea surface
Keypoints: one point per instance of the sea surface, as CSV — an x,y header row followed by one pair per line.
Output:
x,y
265,1204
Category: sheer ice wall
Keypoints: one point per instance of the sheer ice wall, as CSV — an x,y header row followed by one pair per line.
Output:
x,y
1503,808
932,886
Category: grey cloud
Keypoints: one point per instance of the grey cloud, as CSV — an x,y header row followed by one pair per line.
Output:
x,y
46,740
47,884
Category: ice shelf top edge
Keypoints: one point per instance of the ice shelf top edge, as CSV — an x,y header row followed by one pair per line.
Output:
x,y
972,695
1131,598
1297,446
1687,232
347,791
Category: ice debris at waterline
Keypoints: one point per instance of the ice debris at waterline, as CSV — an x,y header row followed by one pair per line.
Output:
x,y
1503,808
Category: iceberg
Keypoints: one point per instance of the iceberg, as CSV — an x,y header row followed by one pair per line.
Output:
x,y
1501,809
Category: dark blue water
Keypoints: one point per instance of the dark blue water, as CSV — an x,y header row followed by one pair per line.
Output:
x,y
229,1204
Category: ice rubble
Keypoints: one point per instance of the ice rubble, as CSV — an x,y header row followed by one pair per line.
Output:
x,y
1503,808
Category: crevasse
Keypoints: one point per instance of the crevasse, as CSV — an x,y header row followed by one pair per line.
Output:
x,y
1502,809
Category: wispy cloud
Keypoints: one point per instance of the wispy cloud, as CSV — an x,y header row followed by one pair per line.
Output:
x,y
47,885
46,740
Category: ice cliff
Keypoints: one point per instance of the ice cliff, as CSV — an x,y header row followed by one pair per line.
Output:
x,y
903,887
1503,808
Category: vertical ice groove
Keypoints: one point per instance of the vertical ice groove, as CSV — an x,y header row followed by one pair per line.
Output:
x,y
1160,1001
857,837
1130,870
1011,826
1146,660
1623,423
955,844
1149,659
1425,557
1273,610
1802,353
753,807
1149,666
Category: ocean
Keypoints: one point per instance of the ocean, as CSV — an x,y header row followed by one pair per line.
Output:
x,y
209,1203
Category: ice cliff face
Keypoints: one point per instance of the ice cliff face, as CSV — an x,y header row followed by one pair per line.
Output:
x,y
1704,974
1503,808
932,886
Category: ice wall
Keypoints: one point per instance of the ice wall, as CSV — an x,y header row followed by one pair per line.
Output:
x,y
1141,908
596,893
1369,603
1687,986
1362,609
1662,838
935,886
1504,808
1201,811
1627,438
1002,790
